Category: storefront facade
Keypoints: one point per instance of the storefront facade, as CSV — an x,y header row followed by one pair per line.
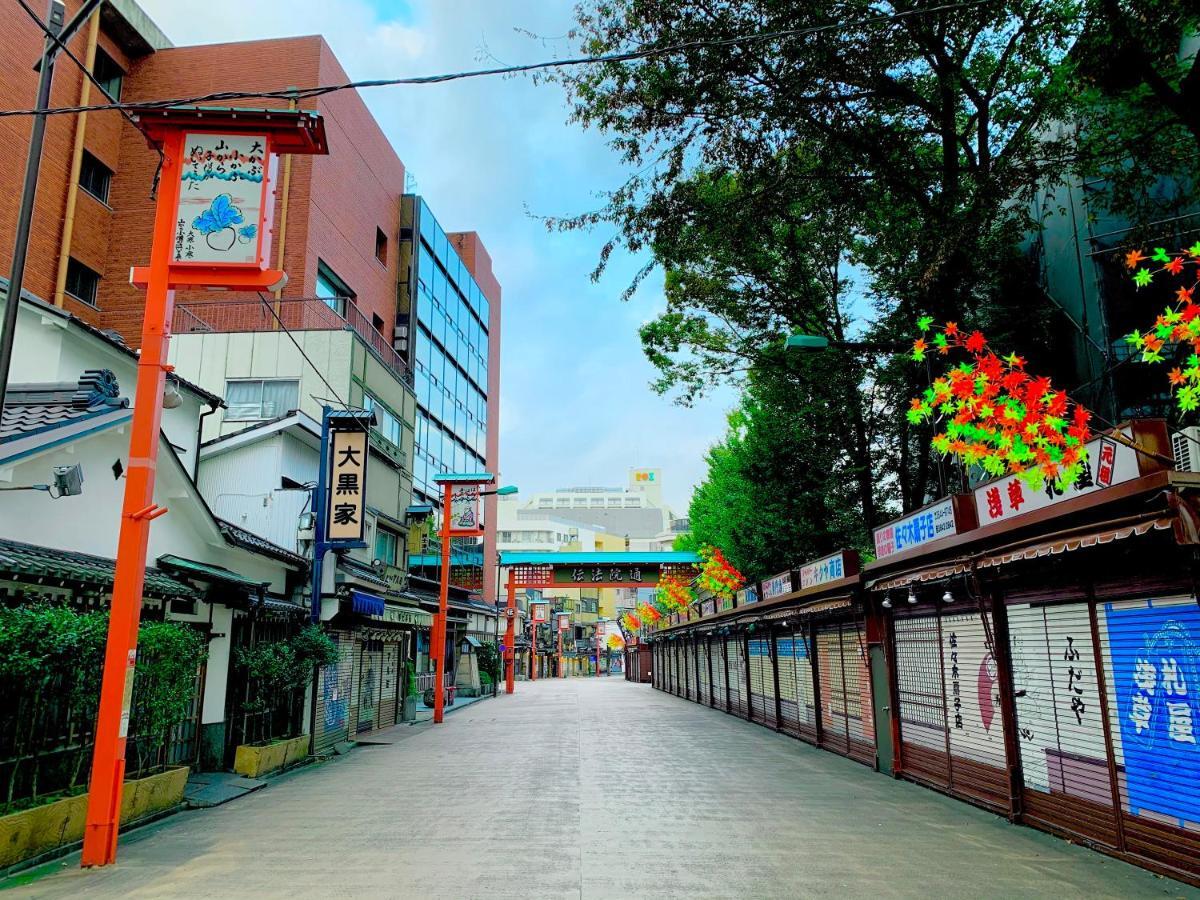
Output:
x,y
1033,653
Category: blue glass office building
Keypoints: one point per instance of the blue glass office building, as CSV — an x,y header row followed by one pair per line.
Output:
x,y
442,330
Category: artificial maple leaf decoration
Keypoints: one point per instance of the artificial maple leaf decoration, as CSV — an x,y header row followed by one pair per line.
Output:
x,y
1178,324
995,415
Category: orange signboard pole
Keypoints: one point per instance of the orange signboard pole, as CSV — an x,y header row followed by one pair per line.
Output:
x,y
137,511
510,651
438,638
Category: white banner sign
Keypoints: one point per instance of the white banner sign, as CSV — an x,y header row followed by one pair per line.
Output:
x,y
347,488
777,586
823,571
464,508
1108,463
221,196
922,527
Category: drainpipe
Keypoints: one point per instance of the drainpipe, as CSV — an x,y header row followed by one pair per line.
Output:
x,y
281,231
85,93
213,406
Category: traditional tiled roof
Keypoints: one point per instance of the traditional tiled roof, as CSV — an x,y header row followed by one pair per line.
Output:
x,y
33,408
46,565
240,537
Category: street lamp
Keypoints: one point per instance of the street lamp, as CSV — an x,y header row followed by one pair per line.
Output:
x,y
815,343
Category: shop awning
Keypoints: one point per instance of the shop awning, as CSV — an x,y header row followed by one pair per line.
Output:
x,y
366,604
473,641
1034,548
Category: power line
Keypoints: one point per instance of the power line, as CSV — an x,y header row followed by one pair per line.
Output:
x,y
627,56
49,33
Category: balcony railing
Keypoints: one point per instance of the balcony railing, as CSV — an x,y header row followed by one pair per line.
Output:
x,y
298,314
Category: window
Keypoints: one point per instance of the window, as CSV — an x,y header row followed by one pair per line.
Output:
x,y
82,282
386,424
94,177
387,544
381,246
330,288
109,74
251,399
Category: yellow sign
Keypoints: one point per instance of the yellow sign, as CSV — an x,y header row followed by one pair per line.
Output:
x,y
346,497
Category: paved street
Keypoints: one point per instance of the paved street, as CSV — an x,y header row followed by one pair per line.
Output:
x,y
589,788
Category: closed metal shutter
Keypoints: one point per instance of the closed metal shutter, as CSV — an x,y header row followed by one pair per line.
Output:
x,y
923,734
978,762
705,696
847,718
689,668
1060,729
675,678
860,713
333,698
720,699
390,684
951,727
355,684
834,734
735,660
1151,657
762,681
796,707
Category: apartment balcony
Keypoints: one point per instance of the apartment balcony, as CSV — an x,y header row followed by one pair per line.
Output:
x,y
295,314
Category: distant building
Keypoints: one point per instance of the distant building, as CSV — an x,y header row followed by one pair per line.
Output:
x,y
636,512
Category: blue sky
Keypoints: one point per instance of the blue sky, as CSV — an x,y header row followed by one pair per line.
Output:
x,y
492,155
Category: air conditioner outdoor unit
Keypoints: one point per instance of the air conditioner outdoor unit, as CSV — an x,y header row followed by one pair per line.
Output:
x,y
1186,446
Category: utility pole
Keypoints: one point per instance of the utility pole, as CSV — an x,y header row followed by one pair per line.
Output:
x,y
58,36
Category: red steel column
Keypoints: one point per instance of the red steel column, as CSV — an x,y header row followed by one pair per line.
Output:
x,y
510,637
137,511
438,638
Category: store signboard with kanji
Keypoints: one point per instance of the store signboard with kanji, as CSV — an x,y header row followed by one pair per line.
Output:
x,y
777,586
464,510
829,568
599,575
1109,462
564,621
346,487
926,525
539,612
225,202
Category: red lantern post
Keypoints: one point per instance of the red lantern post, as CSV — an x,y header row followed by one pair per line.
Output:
x,y
210,231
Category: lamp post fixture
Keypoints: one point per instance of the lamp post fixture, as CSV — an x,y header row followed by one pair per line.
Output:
x,y
815,343
460,518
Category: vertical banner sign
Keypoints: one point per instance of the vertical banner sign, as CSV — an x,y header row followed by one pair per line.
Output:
x,y
347,486
538,612
564,621
225,203
464,509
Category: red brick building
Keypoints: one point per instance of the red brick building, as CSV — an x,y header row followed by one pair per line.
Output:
x,y
337,217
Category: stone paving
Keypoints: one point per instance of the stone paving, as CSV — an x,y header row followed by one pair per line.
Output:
x,y
591,788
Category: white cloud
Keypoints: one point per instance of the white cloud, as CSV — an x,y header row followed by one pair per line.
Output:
x,y
576,405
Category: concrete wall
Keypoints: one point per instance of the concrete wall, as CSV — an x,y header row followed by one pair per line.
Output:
x,y
210,360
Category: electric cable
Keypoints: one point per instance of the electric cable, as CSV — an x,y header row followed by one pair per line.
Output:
x,y
569,62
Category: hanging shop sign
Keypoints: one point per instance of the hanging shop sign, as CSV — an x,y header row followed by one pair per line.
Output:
x,y
539,612
564,621
834,567
1109,462
346,487
464,509
951,515
777,586
397,615
223,216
